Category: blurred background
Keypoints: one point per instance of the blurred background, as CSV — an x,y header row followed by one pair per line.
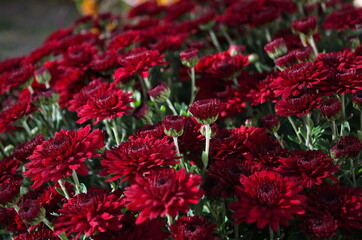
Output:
x,y
24,24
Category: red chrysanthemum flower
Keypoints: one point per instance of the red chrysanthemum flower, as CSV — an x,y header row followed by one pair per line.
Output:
x,y
319,225
194,227
16,111
267,199
206,111
346,17
148,230
221,64
271,123
223,176
95,211
342,203
357,99
164,191
298,106
308,167
286,61
347,147
331,108
138,156
305,25
104,61
138,62
105,104
24,150
39,234
11,221
124,39
276,48
294,80
9,168
9,193
263,91
18,77
174,125
79,55
57,157
81,98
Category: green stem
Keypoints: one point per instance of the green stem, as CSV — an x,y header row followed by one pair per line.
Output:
x,y
307,125
314,46
215,41
267,35
295,128
302,39
115,131
353,173
147,83
64,189
26,127
227,37
276,135
169,219
271,233
169,103
182,164
343,114
62,116
193,85
334,131
48,224
76,181
207,144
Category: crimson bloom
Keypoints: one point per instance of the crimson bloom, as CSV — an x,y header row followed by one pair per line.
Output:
x,y
206,111
267,199
148,230
165,191
295,79
24,150
57,157
194,227
105,104
138,156
299,106
308,167
140,62
95,211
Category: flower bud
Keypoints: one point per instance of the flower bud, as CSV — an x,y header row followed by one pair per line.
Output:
x,y
189,57
305,25
271,123
160,93
31,212
42,75
357,99
143,112
47,97
286,61
9,193
305,54
276,48
206,111
173,125
331,108
347,147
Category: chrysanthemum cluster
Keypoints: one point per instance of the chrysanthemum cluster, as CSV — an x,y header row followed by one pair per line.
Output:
x,y
187,120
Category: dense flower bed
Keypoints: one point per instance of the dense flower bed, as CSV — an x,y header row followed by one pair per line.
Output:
x,y
198,120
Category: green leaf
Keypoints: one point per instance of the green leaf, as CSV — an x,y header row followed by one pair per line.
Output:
x,y
359,134
83,188
60,191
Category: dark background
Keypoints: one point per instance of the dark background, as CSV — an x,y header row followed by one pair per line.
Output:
x,y
24,24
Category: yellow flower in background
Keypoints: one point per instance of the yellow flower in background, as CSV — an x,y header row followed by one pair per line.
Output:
x,y
166,2
88,7
159,2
